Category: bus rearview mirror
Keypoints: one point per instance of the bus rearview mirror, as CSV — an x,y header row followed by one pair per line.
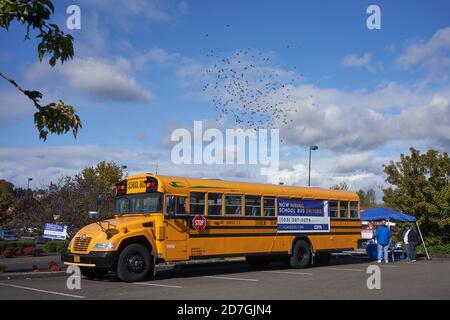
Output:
x,y
93,215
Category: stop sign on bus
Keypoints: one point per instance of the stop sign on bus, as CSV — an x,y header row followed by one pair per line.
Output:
x,y
199,223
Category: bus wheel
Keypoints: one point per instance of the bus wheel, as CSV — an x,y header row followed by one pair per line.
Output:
x,y
135,263
93,273
257,261
301,255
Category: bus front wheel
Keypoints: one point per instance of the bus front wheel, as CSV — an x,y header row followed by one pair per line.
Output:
x,y
135,263
301,255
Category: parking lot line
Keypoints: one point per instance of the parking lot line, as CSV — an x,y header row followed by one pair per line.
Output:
x,y
229,278
157,285
345,269
290,272
44,291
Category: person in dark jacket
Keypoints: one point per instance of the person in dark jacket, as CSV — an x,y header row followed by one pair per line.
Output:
x,y
405,241
413,240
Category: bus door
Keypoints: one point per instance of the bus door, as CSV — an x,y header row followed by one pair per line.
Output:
x,y
176,228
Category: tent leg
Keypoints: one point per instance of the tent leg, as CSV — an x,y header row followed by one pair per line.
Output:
x,y
423,242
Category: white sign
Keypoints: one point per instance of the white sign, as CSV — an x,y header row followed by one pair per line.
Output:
x,y
298,215
55,231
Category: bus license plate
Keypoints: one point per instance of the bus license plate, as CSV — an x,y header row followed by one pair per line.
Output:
x,y
76,258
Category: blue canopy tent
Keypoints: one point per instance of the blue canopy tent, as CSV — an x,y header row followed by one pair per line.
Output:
x,y
379,214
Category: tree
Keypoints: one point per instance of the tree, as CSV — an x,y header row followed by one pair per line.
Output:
x,y
70,198
55,117
6,199
367,198
340,186
421,187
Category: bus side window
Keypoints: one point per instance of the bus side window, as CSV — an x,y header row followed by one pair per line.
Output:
x,y
175,205
269,206
198,203
181,205
343,205
233,204
333,205
214,204
253,206
354,210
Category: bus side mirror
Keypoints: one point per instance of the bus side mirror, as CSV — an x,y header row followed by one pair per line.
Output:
x,y
93,215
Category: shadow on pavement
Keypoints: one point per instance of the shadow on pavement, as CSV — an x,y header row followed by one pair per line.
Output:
x,y
232,267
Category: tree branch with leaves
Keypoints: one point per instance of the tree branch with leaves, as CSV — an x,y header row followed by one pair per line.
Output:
x,y
56,118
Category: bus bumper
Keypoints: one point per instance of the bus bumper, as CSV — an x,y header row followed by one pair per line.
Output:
x,y
92,259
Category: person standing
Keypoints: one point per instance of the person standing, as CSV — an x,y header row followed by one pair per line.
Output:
x,y
383,236
405,241
413,240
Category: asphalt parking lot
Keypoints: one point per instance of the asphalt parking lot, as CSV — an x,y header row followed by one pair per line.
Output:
x,y
344,278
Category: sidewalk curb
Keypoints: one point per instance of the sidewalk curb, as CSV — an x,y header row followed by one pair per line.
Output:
x,y
31,275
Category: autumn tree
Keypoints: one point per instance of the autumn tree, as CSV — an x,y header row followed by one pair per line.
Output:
x,y
70,198
6,199
420,186
54,117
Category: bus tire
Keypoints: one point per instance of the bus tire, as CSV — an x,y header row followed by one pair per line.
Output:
x,y
257,261
135,263
301,255
93,273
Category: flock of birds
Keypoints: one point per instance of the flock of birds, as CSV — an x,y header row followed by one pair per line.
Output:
x,y
246,89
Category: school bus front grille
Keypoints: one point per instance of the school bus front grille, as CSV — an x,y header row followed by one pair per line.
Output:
x,y
81,244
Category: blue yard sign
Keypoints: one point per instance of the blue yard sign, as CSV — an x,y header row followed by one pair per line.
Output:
x,y
297,215
55,231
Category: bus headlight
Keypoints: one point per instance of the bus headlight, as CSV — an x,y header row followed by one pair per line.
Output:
x,y
104,245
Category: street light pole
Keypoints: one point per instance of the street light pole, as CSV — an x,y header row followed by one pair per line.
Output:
x,y
28,185
123,168
309,171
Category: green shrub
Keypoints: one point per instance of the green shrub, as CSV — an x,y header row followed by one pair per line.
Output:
x,y
57,246
16,244
435,249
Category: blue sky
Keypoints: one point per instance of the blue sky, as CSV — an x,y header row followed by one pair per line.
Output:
x,y
364,95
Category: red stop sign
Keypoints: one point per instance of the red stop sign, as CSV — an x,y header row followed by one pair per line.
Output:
x,y
199,223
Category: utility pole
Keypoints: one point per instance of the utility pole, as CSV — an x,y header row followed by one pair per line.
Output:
x,y
309,171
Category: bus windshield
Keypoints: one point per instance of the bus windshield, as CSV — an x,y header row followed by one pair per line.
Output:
x,y
139,203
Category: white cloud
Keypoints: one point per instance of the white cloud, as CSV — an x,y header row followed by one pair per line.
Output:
x,y
156,56
364,61
353,60
433,55
99,78
45,164
355,162
345,121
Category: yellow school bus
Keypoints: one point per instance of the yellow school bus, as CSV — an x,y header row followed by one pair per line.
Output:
x,y
167,219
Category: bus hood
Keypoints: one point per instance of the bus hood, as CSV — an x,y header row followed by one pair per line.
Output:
x,y
97,230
